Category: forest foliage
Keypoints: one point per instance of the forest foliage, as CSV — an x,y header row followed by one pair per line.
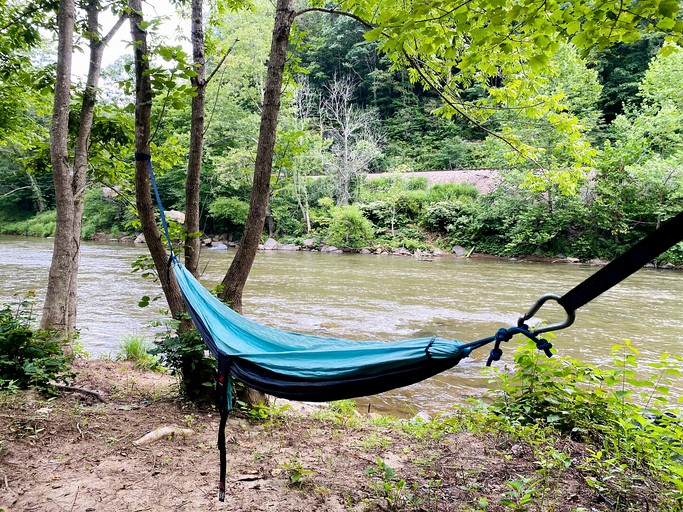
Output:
x,y
590,169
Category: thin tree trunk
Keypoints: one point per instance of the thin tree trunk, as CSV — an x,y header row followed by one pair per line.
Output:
x,y
78,180
59,312
194,164
143,198
38,194
236,277
56,307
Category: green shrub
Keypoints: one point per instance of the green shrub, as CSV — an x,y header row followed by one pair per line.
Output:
x,y
441,216
624,411
186,355
416,183
452,191
349,229
42,225
101,214
229,213
29,357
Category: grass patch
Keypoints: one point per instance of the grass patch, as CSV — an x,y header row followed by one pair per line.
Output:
x,y
136,348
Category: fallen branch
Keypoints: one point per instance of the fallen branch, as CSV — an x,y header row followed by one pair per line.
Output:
x,y
82,391
162,432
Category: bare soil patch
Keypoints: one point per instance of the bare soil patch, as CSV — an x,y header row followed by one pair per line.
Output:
x,y
74,453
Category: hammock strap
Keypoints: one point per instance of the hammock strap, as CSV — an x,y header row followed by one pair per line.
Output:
x,y
669,234
224,405
148,158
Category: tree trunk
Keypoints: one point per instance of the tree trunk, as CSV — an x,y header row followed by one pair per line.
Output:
x,y
194,163
59,312
143,198
236,277
38,194
56,309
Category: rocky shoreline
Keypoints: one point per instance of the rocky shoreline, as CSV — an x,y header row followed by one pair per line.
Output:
x,y
458,251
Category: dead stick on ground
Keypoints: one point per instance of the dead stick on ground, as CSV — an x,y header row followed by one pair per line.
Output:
x,y
162,432
80,390
75,498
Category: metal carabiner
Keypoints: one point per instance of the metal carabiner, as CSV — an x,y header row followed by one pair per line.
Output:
x,y
571,315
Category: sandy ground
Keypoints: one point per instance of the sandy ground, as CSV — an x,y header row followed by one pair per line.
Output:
x,y
75,453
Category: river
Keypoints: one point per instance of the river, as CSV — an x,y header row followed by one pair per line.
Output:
x,y
373,297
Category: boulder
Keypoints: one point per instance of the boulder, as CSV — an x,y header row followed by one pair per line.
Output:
x,y
438,252
378,250
309,243
421,417
217,247
401,251
261,247
175,216
599,262
140,239
459,250
287,247
271,244
207,241
329,248
365,251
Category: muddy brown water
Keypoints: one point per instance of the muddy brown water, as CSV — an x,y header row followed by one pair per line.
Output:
x,y
374,297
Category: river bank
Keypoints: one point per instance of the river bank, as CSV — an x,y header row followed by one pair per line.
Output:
x,y
75,452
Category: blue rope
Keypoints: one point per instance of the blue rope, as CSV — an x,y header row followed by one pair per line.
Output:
x,y
505,335
148,158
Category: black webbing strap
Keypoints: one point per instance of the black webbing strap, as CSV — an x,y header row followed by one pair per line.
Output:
x,y
223,454
223,405
657,242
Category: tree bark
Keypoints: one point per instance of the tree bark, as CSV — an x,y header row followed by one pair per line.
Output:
x,y
194,163
143,198
56,308
236,277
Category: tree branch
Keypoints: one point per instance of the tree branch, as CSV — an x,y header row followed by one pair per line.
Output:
x,y
335,11
27,12
416,65
15,190
119,23
211,75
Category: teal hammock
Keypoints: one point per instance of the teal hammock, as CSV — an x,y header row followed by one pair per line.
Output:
x,y
314,368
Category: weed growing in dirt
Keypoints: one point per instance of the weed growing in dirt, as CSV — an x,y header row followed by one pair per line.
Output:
x,y
342,413
270,413
296,472
137,349
397,492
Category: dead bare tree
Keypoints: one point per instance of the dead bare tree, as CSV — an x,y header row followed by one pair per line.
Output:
x,y
355,141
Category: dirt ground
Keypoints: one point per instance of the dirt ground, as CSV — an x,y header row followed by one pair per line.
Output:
x,y
75,453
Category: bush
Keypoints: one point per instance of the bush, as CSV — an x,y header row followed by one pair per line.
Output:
x,y
101,214
443,215
349,229
29,357
42,225
229,214
186,355
625,412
